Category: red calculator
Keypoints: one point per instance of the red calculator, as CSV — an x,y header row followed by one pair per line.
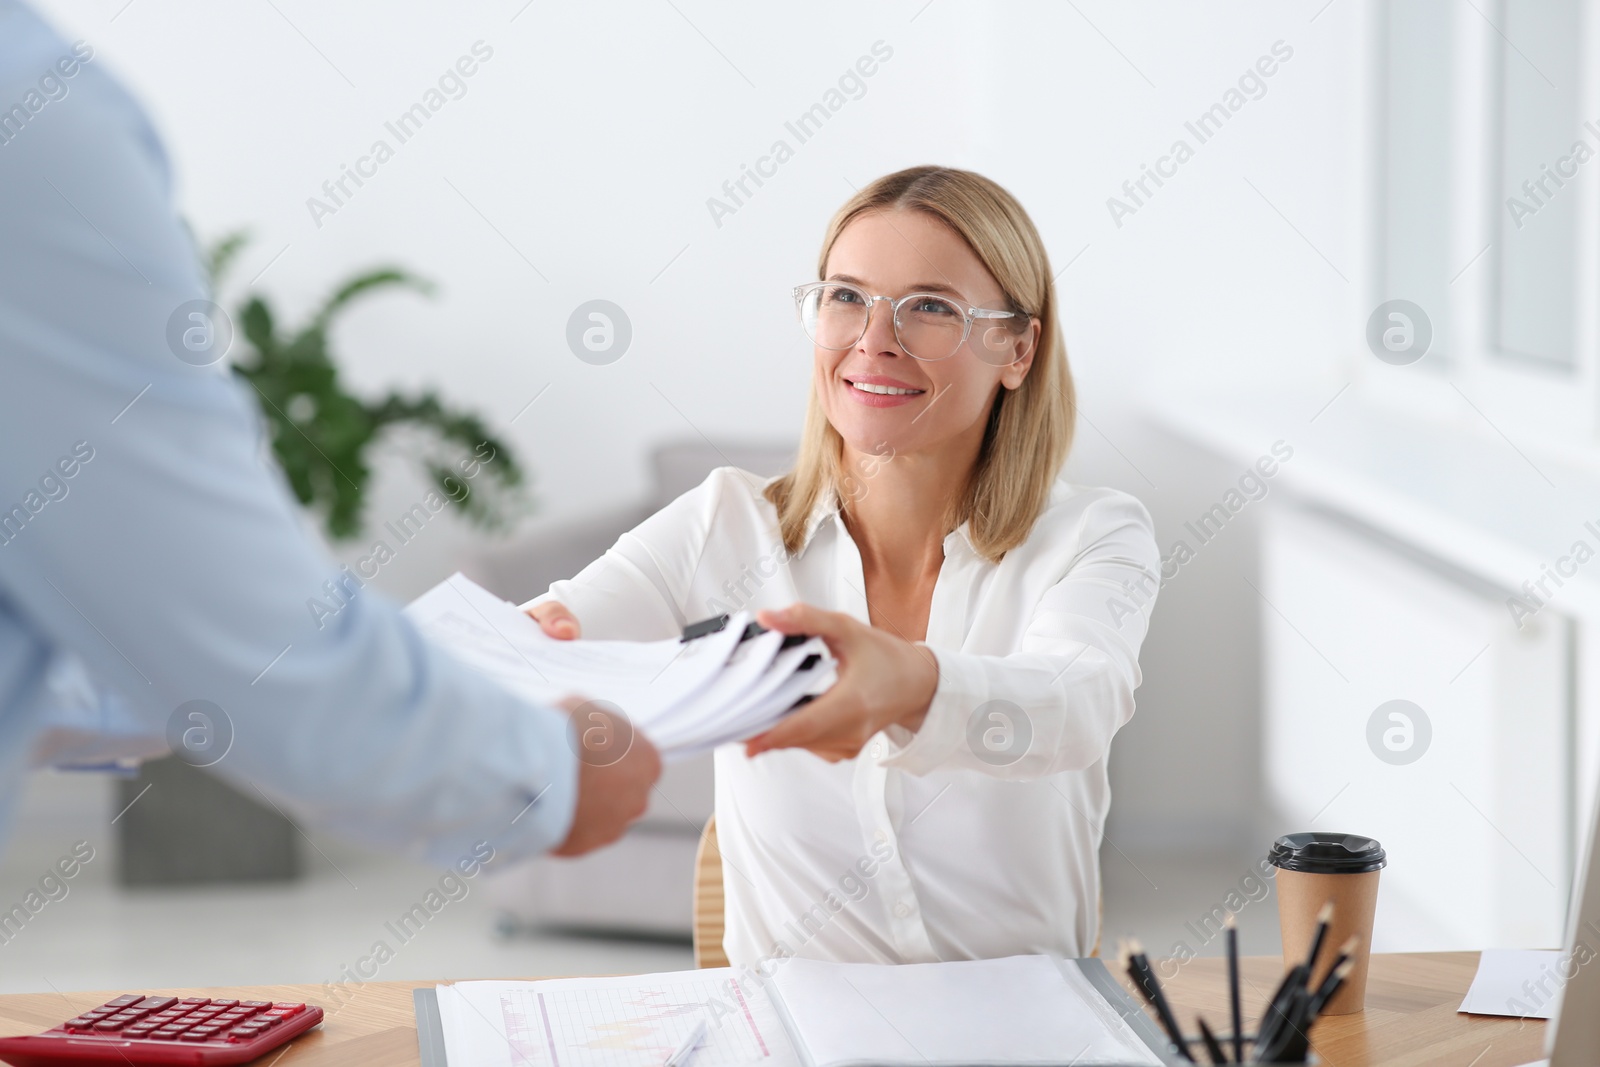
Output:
x,y
138,1030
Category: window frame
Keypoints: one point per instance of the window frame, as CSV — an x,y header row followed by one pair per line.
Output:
x,y
1549,407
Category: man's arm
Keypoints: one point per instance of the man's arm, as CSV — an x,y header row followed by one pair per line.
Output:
x,y
172,559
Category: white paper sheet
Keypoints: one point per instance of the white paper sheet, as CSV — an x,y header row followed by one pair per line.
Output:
x,y
635,1021
1018,1010
686,696
1520,983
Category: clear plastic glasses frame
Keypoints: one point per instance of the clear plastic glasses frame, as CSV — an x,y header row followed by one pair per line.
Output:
x,y
803,294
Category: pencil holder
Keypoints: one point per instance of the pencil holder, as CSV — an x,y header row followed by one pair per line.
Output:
x,y
1283,1033
1197,1042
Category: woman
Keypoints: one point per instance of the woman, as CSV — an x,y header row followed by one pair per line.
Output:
x,y
986,617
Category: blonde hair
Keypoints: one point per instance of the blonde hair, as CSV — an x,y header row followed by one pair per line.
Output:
x,y
1030,428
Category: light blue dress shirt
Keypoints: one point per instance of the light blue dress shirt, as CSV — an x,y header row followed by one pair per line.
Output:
x,y
171,564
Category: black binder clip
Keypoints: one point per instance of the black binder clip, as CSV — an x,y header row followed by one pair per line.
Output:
x,y
703,628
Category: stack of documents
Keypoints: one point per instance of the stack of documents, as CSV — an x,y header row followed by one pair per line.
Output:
x,y
686,696
1029,1010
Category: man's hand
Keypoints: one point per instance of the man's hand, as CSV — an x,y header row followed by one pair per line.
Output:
x,y
883,680
617,768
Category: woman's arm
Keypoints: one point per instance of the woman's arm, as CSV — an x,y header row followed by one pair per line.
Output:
x,y
1051,706
635,591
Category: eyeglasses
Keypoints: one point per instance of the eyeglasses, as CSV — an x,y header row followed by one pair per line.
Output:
x,y
928,326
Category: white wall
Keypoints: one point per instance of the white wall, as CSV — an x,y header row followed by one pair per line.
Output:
x,y
1206,282
593,137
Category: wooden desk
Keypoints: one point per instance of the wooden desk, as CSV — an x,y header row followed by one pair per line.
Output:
x,y
1410,1018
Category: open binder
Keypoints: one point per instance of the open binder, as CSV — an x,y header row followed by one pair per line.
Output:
x,y
1031,1010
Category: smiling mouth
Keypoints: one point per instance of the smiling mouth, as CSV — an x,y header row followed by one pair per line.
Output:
x,y
884,390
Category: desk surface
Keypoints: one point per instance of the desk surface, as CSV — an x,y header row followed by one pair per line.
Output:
x,y
1410,1019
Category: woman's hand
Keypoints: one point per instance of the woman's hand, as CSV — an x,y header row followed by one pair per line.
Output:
x,y
555,620
883,680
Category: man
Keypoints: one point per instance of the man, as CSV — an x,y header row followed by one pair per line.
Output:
x,y
151,557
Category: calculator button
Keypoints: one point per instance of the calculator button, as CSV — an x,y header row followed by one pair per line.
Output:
x,y
255,1003
166,1033
226,1003
124,1000
193,1035
195,1001
289,1008
109,1026
157,1003
139,1030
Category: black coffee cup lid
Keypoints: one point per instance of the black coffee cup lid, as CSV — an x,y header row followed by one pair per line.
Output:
x,y
1325,853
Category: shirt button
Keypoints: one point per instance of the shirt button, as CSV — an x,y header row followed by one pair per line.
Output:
x,y
877,750
902,909
881,837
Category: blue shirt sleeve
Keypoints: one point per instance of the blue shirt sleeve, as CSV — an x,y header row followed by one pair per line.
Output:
x,y
145,530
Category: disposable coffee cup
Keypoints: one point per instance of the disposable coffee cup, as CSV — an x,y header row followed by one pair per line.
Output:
x,y
1314,869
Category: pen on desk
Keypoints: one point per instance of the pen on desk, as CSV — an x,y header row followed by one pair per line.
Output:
x,y
1213,1049
1232,927
1144,976
685,1052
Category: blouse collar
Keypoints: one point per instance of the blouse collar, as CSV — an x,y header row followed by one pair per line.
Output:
x,y
827,507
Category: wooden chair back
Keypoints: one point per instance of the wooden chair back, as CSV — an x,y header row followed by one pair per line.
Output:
x,y
709,905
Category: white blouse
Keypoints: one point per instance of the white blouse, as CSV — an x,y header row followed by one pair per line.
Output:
x,y
976,836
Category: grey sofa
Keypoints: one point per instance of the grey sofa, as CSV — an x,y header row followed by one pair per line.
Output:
x,y
642,884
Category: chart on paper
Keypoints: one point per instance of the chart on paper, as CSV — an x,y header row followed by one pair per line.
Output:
x,y
629,1022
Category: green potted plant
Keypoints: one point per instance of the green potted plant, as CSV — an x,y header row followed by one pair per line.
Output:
x,y
323,435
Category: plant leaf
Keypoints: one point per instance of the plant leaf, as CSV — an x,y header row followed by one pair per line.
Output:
x,y
222,253
366,283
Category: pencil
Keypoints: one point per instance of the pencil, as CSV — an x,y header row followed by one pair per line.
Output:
x,y
1346,950
1213,1049
1144,976
1324,917
1336,979
1293,1041
1289,1040
1233,987
1277,1012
